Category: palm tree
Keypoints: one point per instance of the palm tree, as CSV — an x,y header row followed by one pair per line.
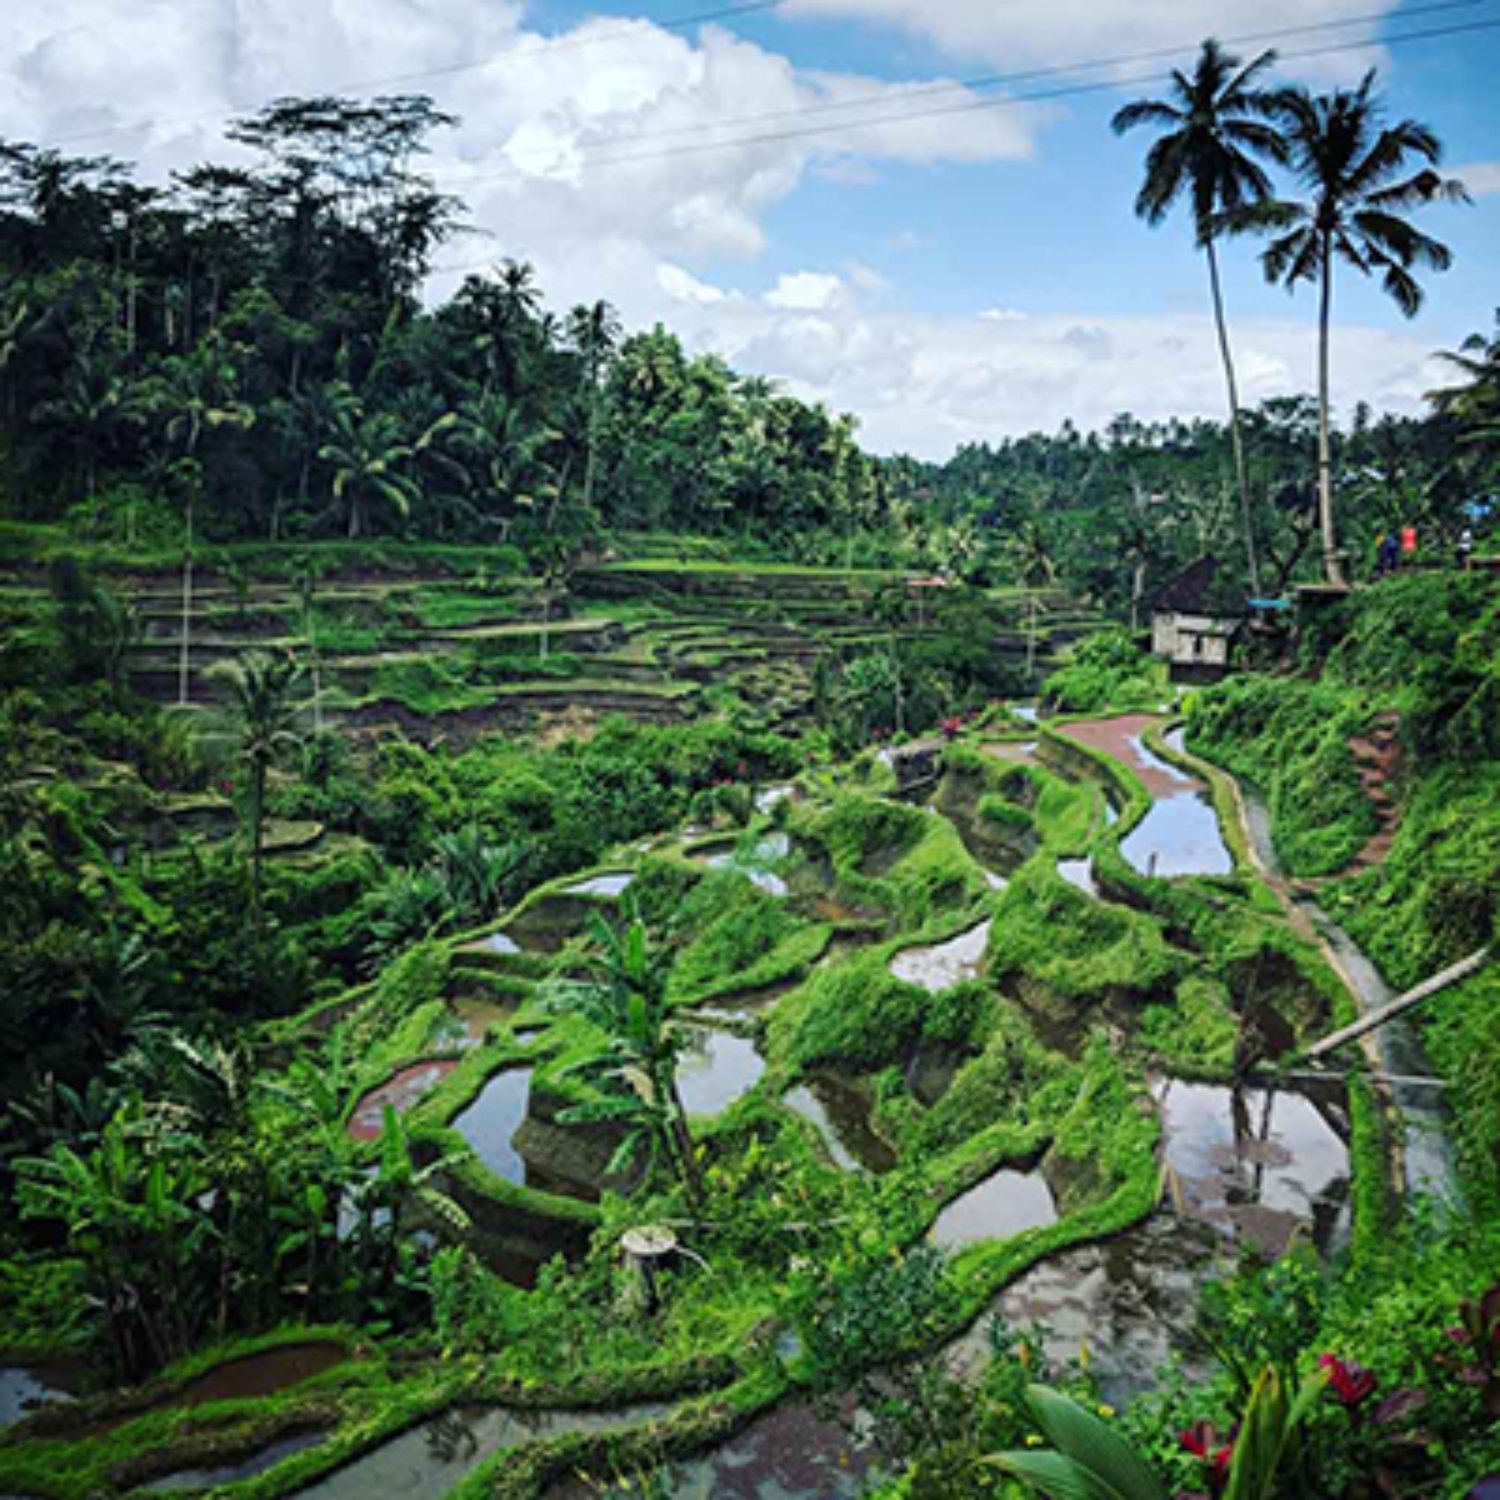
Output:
x,y
1359,179
369,451
594,330
1031,558
197,391
258,690
626,1000
1215,124
1475,403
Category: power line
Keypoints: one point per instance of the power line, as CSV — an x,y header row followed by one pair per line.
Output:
x,y
629,31
998,80
906,116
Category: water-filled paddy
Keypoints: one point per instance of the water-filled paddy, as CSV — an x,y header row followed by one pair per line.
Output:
x,y
841,1113
244,1468
490,1123
717,1067
401,1092
940,966
1005,1203
427,1461
1180,835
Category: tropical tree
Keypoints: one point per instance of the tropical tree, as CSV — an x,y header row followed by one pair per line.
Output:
x,y
1215,124
369,452
196,392
625,998
1030,555
594,331
1360,180
1474,403
257,688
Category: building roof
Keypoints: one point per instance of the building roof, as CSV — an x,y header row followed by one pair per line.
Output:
x,y
1197,590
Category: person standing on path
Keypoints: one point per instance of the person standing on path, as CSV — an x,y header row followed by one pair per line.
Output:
x,y
1465,547
1408,546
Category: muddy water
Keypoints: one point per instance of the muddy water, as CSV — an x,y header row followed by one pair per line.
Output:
x,y
1249,1166
400,1092
613,884
1018,752
944,965
468,1023
1255,1163
1130,1299
257,1463
500,942
1005,1203
261,1374
717,1067
841,1113
24,1386
1180,835
791,1453
1427,1157
769,796
428,1461
491,1121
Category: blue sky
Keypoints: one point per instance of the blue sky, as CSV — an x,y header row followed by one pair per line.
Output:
x,y
967,275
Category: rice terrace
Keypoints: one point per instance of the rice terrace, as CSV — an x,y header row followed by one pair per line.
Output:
x,y
648,846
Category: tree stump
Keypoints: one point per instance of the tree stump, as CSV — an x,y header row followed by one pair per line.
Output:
x,y
648,1247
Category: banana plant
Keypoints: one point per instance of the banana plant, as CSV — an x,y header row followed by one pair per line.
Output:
x,y
1089,1460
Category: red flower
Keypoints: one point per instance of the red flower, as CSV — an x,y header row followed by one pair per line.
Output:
x,y
1202,1441
1352,1384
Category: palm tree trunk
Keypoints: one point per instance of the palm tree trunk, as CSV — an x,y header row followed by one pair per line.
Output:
x,y
187,611
257,837
1332,566
1236,440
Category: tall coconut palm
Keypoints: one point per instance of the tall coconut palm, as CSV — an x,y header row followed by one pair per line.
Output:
x,y
258,690
1215,124
1359,177
594,330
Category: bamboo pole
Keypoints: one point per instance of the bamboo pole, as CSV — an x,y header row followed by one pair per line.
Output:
x,y
1429,987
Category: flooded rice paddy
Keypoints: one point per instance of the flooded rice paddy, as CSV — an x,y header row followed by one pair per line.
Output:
x,y
427,1461
490,1123
840,1111
401,1092
940,966
1180,835
1007,1202
244,1468
717,1068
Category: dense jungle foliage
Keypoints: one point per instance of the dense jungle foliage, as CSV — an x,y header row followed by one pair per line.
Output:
x,y
244,354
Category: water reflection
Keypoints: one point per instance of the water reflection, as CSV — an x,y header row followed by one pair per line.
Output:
x,y
489,1124
841,1113
717,1067
943,965
1005,1203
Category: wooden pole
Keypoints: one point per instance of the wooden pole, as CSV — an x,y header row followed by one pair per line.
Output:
x,y
1451,975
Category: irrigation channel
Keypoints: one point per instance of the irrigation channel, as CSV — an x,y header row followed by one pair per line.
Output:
x,y
1247,1165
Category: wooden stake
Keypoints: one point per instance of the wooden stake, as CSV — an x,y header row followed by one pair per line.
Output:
x,y
1451,975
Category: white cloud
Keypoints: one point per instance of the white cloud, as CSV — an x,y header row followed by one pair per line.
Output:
x,y
924,383
1002,315
682,286
806,290
1024,33
1482,178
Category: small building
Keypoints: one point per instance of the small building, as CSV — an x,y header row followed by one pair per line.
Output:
x,y
1193,624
